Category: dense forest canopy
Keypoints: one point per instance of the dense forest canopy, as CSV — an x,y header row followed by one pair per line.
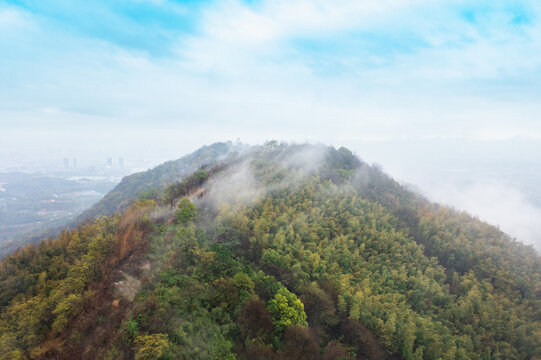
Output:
x,y
273,252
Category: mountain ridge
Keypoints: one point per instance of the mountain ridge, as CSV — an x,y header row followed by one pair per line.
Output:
x,y
278,251
132,186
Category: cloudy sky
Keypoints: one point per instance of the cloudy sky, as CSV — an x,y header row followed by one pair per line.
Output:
x,y
327,70
160,78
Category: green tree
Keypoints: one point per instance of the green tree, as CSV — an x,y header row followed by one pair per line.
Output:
x,y
150,347
286,309
186,211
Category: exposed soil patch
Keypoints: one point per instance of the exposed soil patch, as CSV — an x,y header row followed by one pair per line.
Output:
x,y
129,286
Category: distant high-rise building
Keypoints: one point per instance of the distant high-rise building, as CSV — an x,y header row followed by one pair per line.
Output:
x,y
66,163
74,162
109,162
121,163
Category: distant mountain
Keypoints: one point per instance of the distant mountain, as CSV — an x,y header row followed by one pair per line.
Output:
x,y
277,251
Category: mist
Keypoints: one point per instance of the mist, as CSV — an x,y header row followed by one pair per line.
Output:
x,y
241,185
495,203
496,181
495,195
237,187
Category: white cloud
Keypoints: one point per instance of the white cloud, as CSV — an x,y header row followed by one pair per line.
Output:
x,y
241,74
272,20
10,18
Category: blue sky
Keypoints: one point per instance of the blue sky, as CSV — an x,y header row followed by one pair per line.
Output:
x,y
442,93
328,71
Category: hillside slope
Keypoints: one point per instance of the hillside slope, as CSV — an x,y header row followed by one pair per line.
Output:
x,y
283,252
132,186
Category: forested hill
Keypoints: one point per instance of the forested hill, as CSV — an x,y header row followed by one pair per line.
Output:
x,y
156,179
278,252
